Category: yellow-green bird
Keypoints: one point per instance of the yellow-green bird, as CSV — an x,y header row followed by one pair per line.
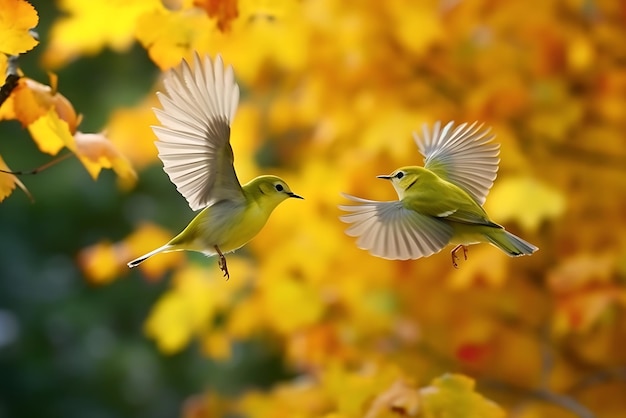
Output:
x,y
198,107
440,203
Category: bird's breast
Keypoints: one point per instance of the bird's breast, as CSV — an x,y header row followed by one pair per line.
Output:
x,y
229,226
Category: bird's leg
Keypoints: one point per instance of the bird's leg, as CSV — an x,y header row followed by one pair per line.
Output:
x,y
221,262
454,257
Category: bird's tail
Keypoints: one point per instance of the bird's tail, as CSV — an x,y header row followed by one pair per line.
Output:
x,y
511,244
163,249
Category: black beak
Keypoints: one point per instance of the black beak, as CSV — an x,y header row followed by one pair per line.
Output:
x,y
384,177
291,194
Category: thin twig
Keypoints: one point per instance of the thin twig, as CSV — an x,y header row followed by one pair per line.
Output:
x,y
40,168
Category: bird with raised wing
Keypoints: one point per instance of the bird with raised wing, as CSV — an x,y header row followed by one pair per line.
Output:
x,y
439,204
198,107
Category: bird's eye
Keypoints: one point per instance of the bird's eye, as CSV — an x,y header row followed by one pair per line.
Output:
x,y
279,187
400,175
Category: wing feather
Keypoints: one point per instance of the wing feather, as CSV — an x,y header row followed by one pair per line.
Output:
x,y
389,230
463,155
197,108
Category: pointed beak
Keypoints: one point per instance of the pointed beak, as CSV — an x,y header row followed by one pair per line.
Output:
x,y
291,194
384,177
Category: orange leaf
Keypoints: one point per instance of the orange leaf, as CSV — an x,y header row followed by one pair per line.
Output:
x,y
225,11
32,100
95,151
17,17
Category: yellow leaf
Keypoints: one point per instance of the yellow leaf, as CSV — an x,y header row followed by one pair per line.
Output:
x,y
170,36
169,323
100,262
406,17
290,304
95,151
188,309
51,134
87,27
216,345
452,396
525,200
17,17
8,182
129,130
484,265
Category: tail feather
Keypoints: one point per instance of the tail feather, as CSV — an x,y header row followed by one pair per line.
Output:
x,y
163,249
511,244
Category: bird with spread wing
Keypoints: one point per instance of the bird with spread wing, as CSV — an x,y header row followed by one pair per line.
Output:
x,y
439,204
198,107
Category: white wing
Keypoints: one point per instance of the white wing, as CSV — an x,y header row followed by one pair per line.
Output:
x,y
464,156
389,230
193,139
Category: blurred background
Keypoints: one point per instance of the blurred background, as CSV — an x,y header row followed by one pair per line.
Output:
x,y
309,325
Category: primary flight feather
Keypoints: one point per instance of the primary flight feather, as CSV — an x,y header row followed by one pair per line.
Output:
x,y
198,106
440,203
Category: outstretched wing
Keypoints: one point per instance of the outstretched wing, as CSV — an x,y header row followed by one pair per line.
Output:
x,y
463,155
194,136
389,230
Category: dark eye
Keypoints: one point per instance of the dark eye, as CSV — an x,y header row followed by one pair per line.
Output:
x,y
400,175
279,187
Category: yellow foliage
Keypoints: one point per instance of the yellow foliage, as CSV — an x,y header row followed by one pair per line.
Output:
x,y
17,17
87,27
525,200
331,91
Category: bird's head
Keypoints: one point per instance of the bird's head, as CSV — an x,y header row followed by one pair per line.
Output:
x,y
405,178
269,191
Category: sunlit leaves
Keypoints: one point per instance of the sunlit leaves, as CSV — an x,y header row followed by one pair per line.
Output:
x,y
87,27
190,308
330,94
171,35
52,123
96,152
525,200
17,17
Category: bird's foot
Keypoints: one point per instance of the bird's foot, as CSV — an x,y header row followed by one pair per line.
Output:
x,y
221,262
454,256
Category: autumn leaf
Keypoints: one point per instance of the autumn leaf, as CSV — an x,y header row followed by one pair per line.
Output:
x,y
452,396
187,310
224,11
87,27
17,17
526,200
8,182
585,288
100,262
96,152
51,133
32,100
169,36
